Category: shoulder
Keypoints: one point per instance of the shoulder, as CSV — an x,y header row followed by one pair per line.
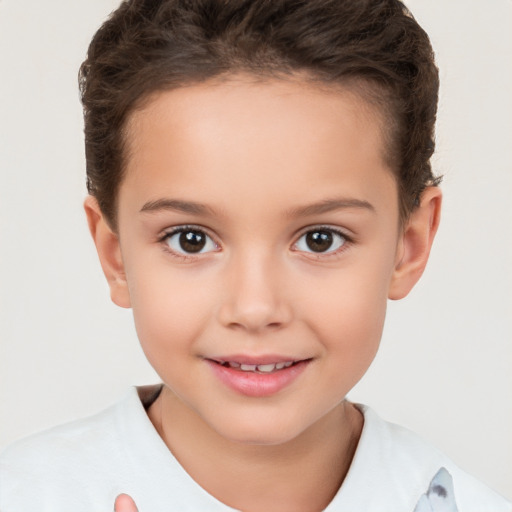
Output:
x,y
405,473
61,460
57,443
423,460
82,466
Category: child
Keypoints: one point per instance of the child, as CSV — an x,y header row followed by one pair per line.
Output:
x,y
259,185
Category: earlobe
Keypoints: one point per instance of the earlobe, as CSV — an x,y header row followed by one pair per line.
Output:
x,y
109,252
415,244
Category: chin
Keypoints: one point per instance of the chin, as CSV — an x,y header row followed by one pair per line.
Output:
x,y
253,431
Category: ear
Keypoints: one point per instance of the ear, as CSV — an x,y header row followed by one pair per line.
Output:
x,y
415,243
109,252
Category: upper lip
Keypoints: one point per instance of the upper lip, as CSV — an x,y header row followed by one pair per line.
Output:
x,y
256,359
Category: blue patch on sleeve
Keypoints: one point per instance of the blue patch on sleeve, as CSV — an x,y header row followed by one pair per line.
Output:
x,y
440,496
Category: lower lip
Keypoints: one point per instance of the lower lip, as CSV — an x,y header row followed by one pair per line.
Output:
x,y
257,384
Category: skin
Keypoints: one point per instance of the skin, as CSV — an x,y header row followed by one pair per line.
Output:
x,y
124,503
268,162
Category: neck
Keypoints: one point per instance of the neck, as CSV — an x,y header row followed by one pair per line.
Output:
x,y
302,474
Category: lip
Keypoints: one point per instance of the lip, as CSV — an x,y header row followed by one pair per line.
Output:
x,y
263,359
257,384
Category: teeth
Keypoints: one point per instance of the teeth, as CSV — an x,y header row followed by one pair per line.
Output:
x,y
266,368
262,368
247,367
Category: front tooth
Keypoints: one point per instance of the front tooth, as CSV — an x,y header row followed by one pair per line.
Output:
x,y
280,366
266,368
287,365
248,367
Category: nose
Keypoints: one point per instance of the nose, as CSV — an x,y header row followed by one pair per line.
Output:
x,y
255,298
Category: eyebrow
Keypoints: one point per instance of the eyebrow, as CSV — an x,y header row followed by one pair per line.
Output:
x,y
329,205
176,205
193,208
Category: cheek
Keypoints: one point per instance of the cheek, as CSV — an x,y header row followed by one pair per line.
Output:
x,y
347,310
170,310
350,336
354,318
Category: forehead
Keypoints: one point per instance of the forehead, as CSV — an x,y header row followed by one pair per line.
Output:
x,y
280,141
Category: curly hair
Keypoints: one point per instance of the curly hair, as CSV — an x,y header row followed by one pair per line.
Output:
x,y
375,47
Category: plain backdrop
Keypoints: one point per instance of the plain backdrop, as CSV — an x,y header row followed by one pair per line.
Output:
x,y
444,369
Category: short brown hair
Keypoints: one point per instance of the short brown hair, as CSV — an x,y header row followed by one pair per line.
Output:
x,y
374,46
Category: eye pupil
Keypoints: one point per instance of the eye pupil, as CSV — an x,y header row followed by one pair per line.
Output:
x,y
192,241
319,241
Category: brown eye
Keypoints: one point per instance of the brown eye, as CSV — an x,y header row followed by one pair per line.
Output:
x,y
190,241
321,241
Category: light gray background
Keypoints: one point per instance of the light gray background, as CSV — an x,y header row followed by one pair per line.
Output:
x,y
444,369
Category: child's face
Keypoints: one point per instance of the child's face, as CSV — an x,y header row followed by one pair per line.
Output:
x,y
288,246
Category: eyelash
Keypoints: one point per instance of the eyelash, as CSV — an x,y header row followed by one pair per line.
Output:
x,y
347,241
183,229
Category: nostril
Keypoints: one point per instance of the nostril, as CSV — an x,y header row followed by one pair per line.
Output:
x,y
255,326
253,309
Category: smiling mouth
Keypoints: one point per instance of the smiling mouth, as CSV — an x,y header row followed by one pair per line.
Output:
x,y
258,368
257,376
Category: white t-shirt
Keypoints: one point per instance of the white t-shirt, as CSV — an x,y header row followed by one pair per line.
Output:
x,y
84,465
